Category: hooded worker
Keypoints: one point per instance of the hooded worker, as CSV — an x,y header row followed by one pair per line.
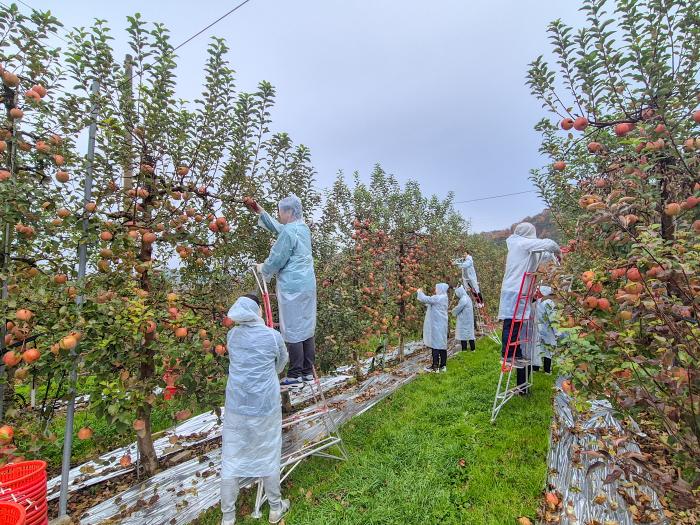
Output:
x,y
252,432
435,326
525,252
546,334
291,261
464,312
469,278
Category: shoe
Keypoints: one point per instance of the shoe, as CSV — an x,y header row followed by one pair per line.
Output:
x,y
292,382
308,379
429,369
277,515
228,522
443,369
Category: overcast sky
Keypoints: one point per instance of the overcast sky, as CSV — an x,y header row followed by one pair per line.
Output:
x,y
433,90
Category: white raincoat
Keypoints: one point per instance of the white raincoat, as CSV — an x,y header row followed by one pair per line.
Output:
x,y
523,241
435,326
291,260
546,334
252,433
464,312
469,274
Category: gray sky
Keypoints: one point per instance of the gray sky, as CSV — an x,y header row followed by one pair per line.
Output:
x,y
433,89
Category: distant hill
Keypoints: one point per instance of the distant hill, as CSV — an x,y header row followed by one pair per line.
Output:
x,y
546,227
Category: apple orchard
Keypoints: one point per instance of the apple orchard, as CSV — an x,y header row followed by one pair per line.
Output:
x,y
170,244
168,239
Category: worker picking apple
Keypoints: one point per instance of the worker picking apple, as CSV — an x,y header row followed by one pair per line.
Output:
x,y
435,325
291,262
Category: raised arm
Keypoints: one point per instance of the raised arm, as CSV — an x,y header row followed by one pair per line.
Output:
x,y
460,306
279,255
428,299
269,223
546,245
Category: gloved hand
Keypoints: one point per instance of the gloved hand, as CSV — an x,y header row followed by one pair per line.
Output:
x,y
259,267
252,205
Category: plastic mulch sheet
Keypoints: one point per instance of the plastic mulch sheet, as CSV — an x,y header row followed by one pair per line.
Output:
x,y
199,429
181,493
578,471
194,431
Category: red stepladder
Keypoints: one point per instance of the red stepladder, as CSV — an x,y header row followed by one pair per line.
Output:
x,y
262,286
525,339
485,324
319,411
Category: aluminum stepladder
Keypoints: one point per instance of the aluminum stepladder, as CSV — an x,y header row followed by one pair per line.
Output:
x,y
484,322
524,317
320,411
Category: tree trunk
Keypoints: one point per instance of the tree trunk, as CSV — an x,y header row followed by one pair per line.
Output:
x,y
147,369
402,302
144,441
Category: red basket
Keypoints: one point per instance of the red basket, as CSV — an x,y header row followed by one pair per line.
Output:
x,y
19,475
35,495
12,514
39,520
37,513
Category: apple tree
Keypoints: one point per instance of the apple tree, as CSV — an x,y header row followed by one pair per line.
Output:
x,y
623,183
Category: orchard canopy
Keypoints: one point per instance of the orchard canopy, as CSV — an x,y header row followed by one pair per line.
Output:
x,y
169,241
155,206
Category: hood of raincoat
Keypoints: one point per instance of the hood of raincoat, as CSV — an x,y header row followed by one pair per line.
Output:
x,y
460,291
527,230
245,311
292,204
545,290
441,288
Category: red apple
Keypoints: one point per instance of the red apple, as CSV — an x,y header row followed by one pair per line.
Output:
x,y
580,123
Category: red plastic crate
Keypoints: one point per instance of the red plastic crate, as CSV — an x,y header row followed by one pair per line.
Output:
x,y
12,514
25,473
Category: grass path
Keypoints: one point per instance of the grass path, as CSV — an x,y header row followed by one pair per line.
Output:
x,y
428,455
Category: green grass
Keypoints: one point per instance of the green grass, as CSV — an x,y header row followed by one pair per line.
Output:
x,y
404,466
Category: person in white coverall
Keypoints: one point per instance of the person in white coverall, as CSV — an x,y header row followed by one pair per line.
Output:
x,y
435,325
521,244
469,278
464,312
546,334
252,432
291,261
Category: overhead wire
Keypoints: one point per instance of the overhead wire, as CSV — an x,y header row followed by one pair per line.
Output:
x,y
495,196
179,46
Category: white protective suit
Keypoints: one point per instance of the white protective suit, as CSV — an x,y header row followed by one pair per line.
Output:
x,y
435,326
252,433
291,260
469,274
464,312
523,241
546,334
